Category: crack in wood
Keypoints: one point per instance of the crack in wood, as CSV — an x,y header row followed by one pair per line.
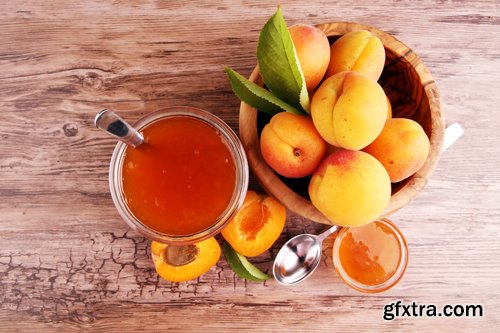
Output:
x,y
115,267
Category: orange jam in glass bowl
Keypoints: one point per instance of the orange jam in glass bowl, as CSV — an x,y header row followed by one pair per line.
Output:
x,y
185,182
182,179
371,258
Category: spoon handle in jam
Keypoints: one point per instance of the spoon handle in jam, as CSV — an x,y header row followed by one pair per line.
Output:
x,y
114,125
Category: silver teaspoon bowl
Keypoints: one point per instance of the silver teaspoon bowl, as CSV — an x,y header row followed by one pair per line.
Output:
x,y
299,257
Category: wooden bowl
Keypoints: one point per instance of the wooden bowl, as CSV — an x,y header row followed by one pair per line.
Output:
x,y
413,94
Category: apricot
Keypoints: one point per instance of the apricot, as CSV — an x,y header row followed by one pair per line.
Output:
x,y
358,51
313,51
291,145
256,226
182,263
402,148
351,188
389,109
349,110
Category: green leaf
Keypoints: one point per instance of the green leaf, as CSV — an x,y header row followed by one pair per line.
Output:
x,y
279,65
241,266
256,96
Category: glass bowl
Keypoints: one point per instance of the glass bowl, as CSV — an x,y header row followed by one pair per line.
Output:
x,y
385,285
241,184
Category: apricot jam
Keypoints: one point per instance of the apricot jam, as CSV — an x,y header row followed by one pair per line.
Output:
x,y
371,258
181,179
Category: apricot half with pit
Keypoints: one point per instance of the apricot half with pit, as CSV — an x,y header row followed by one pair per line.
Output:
x,y
177,263
256,226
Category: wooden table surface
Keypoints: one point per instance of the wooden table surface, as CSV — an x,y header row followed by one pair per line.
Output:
x,y
68,262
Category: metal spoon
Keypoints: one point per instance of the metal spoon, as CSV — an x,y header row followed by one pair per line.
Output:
x,y
114,125
299,257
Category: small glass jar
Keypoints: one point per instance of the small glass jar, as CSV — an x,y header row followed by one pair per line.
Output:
x,y
240,188
384,285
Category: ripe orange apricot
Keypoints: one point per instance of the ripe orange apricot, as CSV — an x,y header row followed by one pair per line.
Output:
x,y
291,145
359,51
402,148
351,188
186,262
349,110
389,108
313,51
256,226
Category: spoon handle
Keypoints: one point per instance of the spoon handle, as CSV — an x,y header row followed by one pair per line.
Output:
x,y
321,237
114,125
451,134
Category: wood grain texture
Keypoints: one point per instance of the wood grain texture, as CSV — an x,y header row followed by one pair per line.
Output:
x,y
67,261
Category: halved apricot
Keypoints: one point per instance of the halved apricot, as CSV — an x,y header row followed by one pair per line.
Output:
x,y
185,262
256,226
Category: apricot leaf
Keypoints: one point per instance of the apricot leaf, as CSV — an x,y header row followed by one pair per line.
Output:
x,y
279,64
256,96
241,266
